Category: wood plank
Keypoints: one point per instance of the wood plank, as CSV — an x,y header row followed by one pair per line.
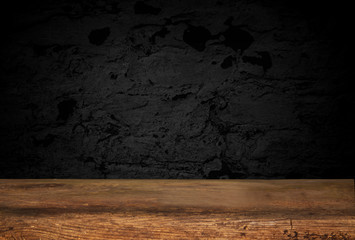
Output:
x,y
177,209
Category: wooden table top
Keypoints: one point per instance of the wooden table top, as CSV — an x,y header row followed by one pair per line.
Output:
x,y
177,209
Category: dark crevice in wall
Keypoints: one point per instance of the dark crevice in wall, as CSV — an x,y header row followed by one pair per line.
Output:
x,y
141,7
66,109
98,36
263,60
197,37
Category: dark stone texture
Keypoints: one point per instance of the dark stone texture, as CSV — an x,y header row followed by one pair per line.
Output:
x,y
176,89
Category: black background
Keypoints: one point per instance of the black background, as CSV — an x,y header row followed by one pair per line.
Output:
x,y
176,89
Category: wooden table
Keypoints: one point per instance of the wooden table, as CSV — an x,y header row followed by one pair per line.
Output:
x,y
177,209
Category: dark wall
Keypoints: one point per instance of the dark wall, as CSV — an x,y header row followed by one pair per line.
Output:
x,y
176,89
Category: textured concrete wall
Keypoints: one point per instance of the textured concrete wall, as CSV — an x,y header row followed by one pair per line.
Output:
x,y
175,89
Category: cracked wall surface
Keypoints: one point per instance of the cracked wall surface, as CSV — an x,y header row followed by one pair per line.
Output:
x,y
175,89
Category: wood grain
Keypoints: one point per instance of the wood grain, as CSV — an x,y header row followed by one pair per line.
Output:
x,y
177,209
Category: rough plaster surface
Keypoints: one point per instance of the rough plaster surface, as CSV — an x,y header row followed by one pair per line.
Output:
x,y
175,89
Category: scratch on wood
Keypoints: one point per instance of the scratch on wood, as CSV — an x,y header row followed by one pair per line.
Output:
x,y
291,224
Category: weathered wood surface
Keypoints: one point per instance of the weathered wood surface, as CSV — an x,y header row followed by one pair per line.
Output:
x,y
177,209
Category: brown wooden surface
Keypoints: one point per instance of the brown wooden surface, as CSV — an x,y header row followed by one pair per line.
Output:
x,y
177,209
